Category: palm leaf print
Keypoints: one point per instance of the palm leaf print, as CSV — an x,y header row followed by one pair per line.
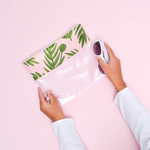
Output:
x,y
72,53
74,28
68,35
53,56
30,62
46,69
82,36
36,75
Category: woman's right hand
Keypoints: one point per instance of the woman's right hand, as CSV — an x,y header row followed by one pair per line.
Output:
x,y
52,110
113,69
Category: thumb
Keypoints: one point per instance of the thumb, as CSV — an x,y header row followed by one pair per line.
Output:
x,y
51,96
101,62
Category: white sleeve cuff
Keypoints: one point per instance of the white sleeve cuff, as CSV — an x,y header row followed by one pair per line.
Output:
x,y
120,94
67,135
135,115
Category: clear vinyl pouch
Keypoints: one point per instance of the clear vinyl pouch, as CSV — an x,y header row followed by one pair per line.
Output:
x,y
66,67
73,77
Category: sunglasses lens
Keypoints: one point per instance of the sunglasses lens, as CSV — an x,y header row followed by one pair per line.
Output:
x,y
100,69
97,48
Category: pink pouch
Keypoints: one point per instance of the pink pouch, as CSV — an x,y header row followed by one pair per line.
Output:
x,y
66,67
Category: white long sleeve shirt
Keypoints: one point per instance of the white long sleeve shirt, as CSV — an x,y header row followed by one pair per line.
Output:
x,y
134,113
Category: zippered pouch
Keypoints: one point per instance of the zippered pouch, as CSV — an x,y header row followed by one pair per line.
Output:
x,y
67,66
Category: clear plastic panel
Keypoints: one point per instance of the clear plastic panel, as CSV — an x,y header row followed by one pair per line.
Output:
x,y
72,77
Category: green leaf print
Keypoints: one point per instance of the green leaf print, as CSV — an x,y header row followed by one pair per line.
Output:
x,y
74,28
82,36
25,64
72,53
76,50
61,61
77,28
36,75
62,47
57,51
56,60
68,35
46,69
52,52
79,33
53,56
30,62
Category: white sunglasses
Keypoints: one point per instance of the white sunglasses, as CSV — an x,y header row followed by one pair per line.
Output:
x,y
99,49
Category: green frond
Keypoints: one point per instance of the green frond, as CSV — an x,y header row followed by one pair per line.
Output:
x,y
53,50
73,52
38,74
80,31
51,46
88,38
48,55
32,58
68,35
81,35
26,64
33,61
48,61
35,77
65,36
70,54
52,57
30,63
55,53
83,41
80,38
49,51
76,50
77,28
46,69
50,67
56,60
61,61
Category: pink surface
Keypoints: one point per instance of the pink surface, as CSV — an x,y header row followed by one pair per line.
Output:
x,y
27,26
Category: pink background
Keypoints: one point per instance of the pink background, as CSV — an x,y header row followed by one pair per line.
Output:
x,y
26,26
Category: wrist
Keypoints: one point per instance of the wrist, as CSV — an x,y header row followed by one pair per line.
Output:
x,y
56,119
119,85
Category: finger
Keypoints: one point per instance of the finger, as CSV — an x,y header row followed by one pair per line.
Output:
x,y
101,62
41,95
110,51
51,96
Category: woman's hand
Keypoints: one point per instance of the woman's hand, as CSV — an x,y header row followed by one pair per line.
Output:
x,y
52,110
113,69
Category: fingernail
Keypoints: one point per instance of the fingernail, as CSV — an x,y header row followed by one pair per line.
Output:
x,y
49,92
97,58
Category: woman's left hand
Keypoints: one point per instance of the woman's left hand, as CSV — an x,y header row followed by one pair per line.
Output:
x,y
52,110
